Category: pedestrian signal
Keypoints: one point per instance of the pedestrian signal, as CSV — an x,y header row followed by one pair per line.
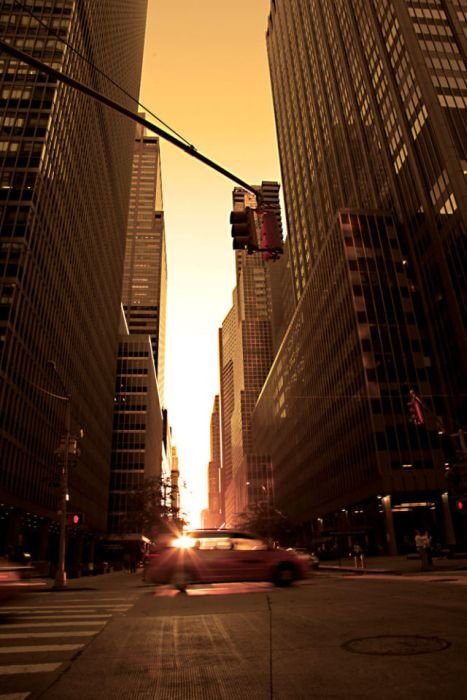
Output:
x,y
415,409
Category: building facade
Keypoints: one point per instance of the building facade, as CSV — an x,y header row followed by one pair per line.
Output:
x,y
137,437
212,515
369,100
65,182
333,412
144,291
141,447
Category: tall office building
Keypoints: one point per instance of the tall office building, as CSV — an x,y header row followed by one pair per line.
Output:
x,y
64,191
138,449
141,449
369,100
212,515
245,350
144,291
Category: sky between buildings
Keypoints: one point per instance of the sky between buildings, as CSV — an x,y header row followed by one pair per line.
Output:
x,y
205,73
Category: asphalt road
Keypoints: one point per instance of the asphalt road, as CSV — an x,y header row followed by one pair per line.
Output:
x,y
335,636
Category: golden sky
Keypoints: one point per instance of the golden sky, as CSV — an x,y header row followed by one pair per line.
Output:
x,y
205,73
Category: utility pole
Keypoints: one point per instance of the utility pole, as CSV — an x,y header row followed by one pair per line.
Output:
x,y
60,576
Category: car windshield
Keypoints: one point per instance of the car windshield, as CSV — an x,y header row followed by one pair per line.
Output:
x,y
218,539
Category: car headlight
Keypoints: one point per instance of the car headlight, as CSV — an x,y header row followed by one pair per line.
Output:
x,y
183,542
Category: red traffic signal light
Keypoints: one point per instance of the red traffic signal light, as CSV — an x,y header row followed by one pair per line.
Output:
x,y
75,519
244,230
459,504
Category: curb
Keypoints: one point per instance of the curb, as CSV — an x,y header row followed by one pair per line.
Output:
x,y
360,572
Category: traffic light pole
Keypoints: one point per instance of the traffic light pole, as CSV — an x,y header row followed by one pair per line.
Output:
x,y
60,577
68,80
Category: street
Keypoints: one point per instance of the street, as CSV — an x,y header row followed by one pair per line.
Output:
x,y
336,635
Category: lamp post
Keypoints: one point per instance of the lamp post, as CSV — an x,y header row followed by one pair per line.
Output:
x,y
60,576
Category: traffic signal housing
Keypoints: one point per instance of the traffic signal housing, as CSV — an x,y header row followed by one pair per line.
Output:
x,y
271,236
244,230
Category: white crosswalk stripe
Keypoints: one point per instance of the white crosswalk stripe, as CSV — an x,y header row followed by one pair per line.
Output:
x,y
58,628
40,647
45,623
44,635
19,669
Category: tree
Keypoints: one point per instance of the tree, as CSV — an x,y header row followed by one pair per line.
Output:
x,y
268,522
150,510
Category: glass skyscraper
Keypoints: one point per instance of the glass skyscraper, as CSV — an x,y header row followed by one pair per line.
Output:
x,y
138,450
369,99
64,192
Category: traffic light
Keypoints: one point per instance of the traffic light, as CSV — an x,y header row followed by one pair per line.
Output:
x,y
244,230
271,236
75,518
459,504
415,409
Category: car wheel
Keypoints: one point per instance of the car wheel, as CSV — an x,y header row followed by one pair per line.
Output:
x,y
284,575
181,579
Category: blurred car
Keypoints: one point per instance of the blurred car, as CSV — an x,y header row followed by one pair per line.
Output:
x,y
311,557
16,579
213,556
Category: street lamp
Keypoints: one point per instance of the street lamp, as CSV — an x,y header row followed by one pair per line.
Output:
x,y
60,576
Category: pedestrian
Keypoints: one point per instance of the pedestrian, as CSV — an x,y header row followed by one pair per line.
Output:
x,y
132,563
358,556
126,561
428,549
421,547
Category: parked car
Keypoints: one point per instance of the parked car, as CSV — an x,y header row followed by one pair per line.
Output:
x,y
211,556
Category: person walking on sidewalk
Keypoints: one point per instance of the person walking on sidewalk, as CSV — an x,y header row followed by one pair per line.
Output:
x,y
429,552
422,545
359,557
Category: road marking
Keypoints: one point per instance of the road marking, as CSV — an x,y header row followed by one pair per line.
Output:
x,y
77,606
14,696
53,624
43,611
38,614
42,635
30,668
40,647
82,598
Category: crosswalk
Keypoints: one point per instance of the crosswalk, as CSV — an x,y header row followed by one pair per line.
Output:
x,y
38,638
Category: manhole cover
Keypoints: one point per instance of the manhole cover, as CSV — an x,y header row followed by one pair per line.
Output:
x,y
396,645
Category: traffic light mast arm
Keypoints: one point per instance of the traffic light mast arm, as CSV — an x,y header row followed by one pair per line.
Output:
x,y
68,80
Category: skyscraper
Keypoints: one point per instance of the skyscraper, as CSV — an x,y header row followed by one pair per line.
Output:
x,y
212,514
144,291
140,453
370,101
368,98
137,436
65,182
245,349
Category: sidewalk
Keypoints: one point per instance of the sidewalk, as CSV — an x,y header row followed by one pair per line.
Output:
x,y
397,565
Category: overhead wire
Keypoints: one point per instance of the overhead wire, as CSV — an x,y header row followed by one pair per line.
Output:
x,y
101,72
